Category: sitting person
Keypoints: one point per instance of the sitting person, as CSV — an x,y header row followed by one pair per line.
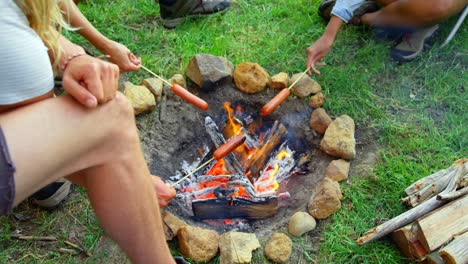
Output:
x,y
87,135
418,18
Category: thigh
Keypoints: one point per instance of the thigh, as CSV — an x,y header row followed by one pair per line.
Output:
x,y
56,137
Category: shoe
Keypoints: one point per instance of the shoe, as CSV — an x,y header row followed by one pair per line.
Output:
x,y
180,260
53,194
175,14
325,9
413,44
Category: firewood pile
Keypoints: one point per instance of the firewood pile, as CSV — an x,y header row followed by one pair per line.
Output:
x,y
435,229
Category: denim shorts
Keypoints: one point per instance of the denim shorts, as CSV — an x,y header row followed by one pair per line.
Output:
x,y
7,181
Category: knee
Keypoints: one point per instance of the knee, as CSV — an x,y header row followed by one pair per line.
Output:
x,y
121,120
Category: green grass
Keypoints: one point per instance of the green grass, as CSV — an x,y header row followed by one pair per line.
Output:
x,y
418,110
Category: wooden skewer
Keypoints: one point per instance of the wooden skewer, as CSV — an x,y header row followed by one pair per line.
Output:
x,y
300,77
192,172
157,76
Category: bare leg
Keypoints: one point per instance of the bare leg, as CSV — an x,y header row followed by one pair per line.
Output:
x,y
57,137
413,13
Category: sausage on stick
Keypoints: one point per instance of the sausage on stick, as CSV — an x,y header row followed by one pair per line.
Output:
x,y
182,92
219,153
269,107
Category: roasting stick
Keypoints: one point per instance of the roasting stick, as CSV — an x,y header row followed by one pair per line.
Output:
x,y
280,97
181,92
219,153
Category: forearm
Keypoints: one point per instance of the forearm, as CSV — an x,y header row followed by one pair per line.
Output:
x,y
332,28
85,28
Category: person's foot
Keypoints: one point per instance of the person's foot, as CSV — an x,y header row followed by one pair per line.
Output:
x,y
173,15
368,6
413,44
53,194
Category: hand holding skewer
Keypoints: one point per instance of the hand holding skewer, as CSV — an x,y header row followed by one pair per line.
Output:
x,y
219,153
280,97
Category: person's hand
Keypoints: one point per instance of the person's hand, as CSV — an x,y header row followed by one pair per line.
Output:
x,y
164,191
122,56
91,81
317,51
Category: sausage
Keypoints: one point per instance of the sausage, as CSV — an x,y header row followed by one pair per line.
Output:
x,y
228,147
189,97
275,102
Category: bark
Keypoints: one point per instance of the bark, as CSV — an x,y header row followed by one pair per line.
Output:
x,y
456,252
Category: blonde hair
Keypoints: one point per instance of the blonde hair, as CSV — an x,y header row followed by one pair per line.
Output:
x,y
46,18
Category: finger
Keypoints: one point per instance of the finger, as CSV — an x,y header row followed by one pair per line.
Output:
x,y
94,83
79,92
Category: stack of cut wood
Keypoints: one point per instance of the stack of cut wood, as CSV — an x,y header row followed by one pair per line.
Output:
x,y
435,229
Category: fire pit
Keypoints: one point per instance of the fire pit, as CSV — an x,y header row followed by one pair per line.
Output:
x,y
263,181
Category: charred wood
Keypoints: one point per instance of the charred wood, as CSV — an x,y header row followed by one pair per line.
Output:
x,y
238,207
258,159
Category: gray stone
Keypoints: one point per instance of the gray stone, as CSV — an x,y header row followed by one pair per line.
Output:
x,y
301,223
279,248
338,170
237,247
208,71
338,140
305,86
250,77
326,201
197,243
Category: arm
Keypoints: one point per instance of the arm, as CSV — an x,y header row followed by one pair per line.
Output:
x,y
119,54
323,45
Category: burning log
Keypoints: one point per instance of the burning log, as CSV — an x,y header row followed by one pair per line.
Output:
x,y
218,139
258,159
236,207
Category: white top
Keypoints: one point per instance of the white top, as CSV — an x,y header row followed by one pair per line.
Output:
x,y
25,68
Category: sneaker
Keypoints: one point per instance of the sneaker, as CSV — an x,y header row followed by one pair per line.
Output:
x,y
175,14
413,44
180,260
325,9
53,194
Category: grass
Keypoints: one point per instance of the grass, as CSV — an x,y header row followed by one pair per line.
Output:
x,y
418,110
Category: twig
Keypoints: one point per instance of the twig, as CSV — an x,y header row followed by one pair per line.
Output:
x,y
34,238
81,249
452,195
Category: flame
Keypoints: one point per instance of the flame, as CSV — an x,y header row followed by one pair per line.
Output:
x,y
236,127
218,168
283,154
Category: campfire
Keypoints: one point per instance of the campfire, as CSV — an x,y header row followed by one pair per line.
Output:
x,y
245,183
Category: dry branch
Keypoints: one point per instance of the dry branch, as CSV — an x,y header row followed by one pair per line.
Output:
x,y
456,252
34,238
452,195
433,184
412,214
81,249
